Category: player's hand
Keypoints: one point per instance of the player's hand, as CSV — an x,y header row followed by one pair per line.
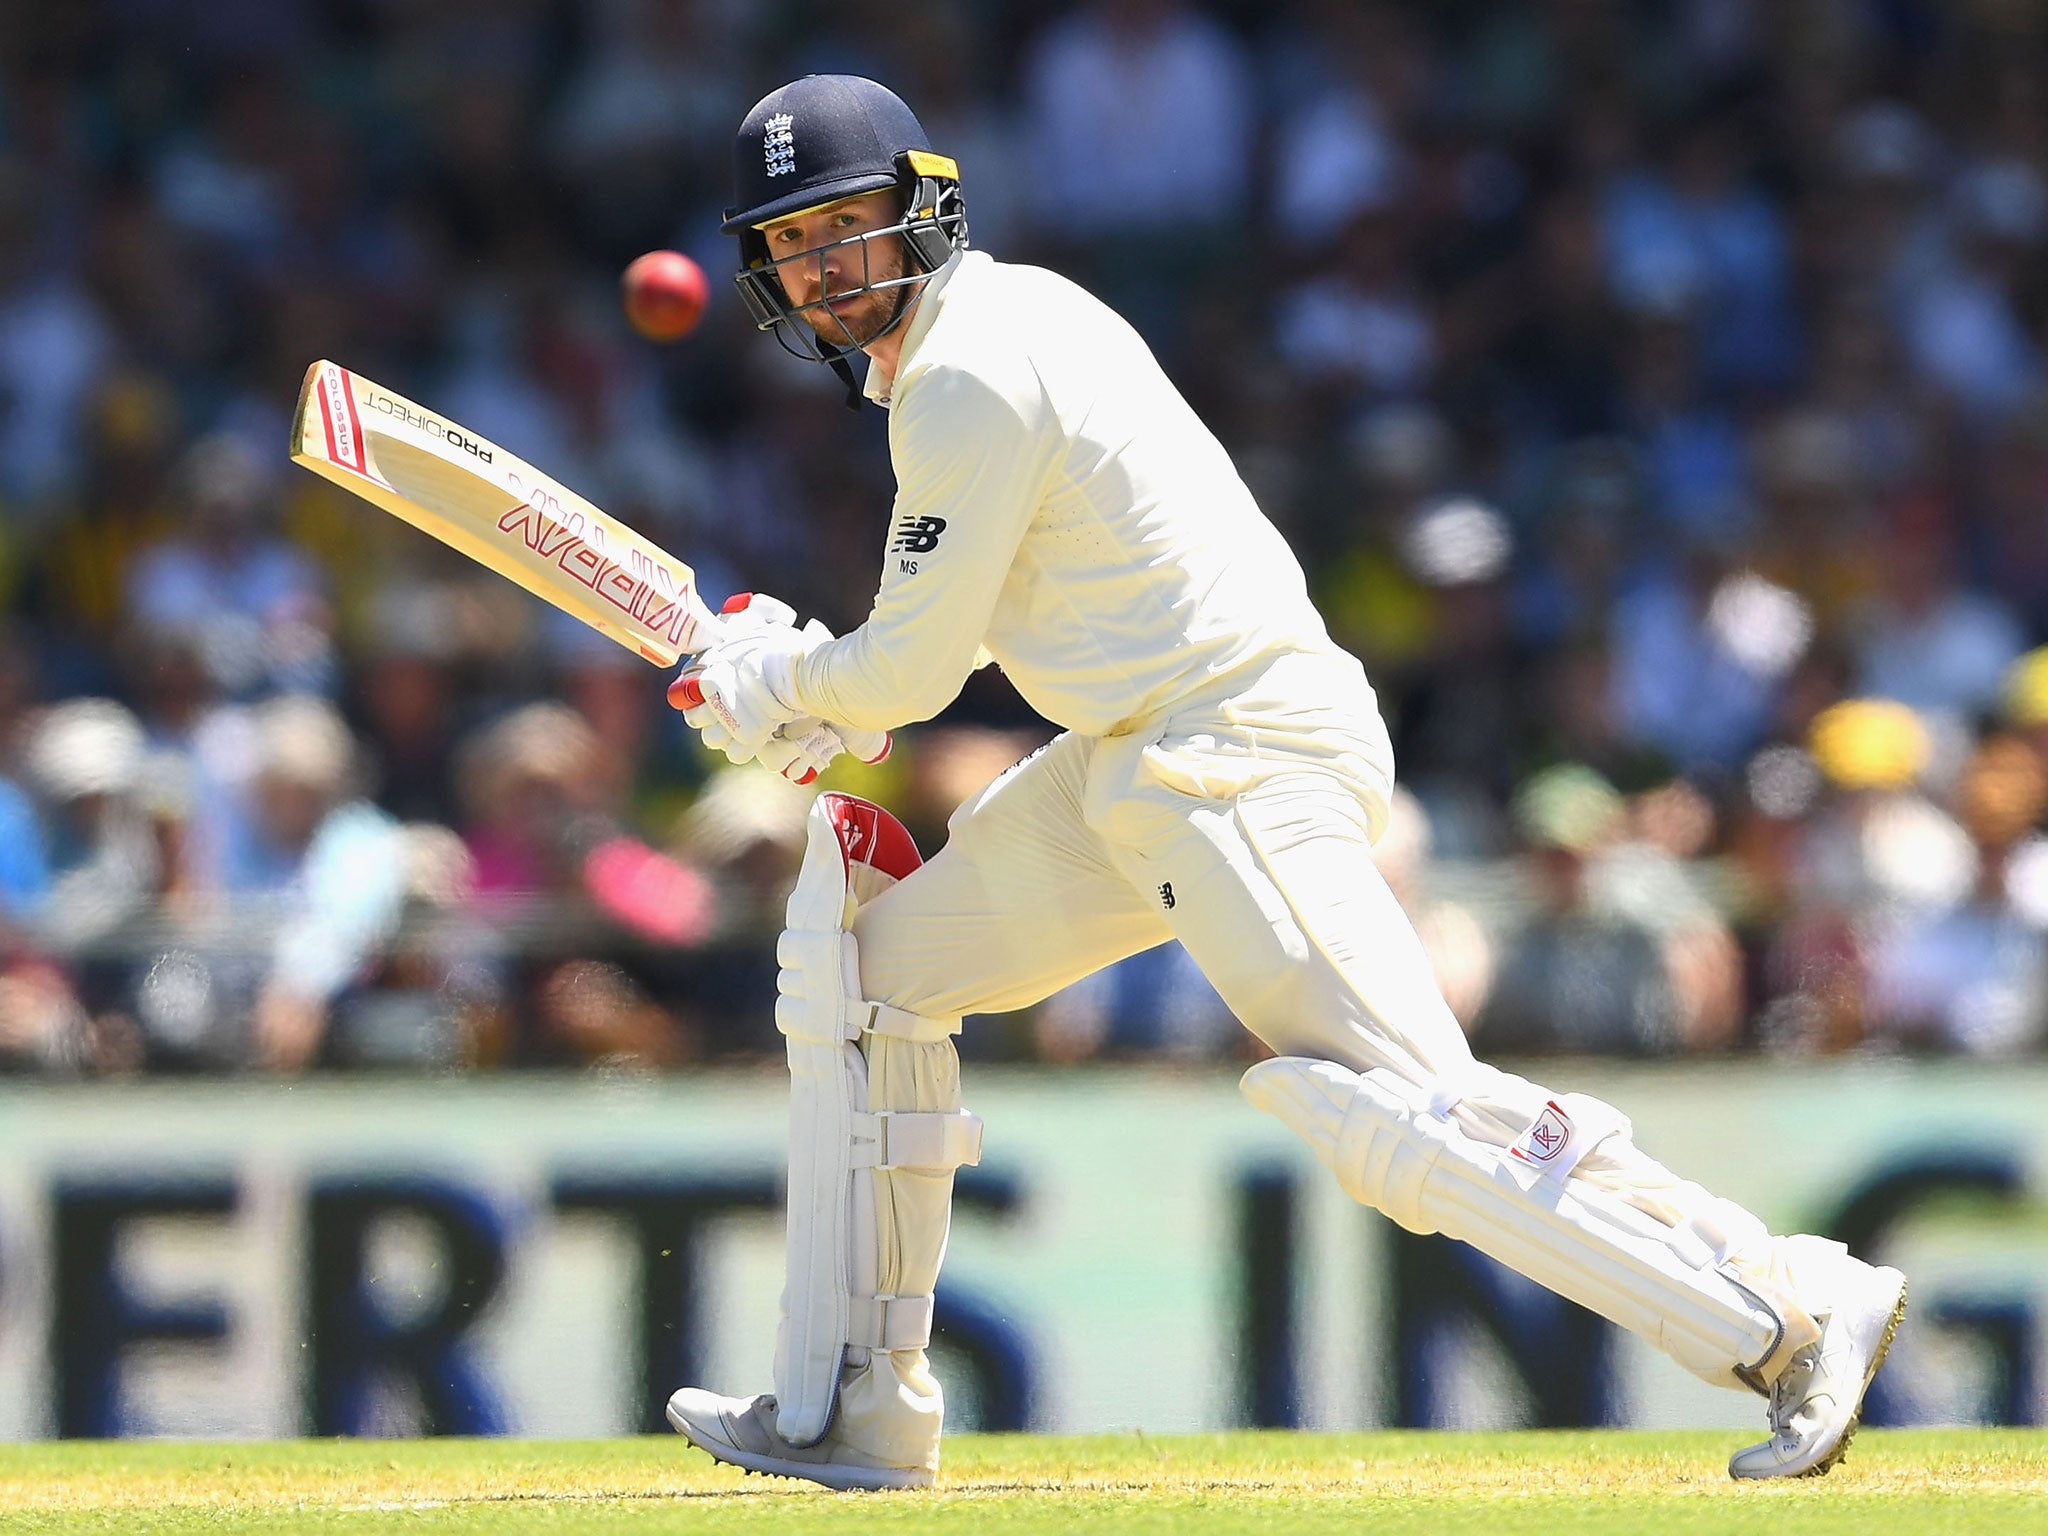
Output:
x,y
744,613
737,692
799,748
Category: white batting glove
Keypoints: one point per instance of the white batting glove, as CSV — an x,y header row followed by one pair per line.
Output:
x,y
801,750
745,612
797,748
737,692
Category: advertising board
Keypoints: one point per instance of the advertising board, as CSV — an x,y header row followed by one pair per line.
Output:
x,y
551,1255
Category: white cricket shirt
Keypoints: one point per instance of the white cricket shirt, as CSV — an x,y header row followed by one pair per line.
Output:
x,y
1059,504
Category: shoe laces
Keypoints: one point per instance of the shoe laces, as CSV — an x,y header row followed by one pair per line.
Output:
x,y
1789,1390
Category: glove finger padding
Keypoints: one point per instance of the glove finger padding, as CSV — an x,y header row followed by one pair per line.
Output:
x,y
745,682
785,757
869,746
712,731
745,611
800,751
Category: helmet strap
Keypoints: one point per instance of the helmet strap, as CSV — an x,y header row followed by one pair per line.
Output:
x,y
854,398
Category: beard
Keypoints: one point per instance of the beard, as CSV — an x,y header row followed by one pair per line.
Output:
x,y
865,315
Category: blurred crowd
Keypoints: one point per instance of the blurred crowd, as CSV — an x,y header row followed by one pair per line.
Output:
x,y
1656,391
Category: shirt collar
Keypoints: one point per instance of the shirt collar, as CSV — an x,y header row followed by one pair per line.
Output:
x,y
880,386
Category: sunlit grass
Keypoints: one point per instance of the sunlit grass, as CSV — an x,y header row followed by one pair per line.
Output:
x,y
1961,1481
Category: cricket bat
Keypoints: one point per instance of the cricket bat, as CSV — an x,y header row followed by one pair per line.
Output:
x,y
494,507
500,511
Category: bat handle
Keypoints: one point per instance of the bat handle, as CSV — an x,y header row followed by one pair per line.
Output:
x,y
706,630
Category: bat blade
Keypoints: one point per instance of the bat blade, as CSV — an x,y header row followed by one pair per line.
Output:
x,y
492,506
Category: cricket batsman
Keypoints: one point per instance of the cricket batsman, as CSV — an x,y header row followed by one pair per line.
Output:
x,y
1220,776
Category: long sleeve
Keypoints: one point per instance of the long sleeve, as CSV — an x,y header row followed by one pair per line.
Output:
x,y
1061,508
972,455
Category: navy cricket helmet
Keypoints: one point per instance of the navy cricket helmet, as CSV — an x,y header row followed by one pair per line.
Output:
x,y
820,140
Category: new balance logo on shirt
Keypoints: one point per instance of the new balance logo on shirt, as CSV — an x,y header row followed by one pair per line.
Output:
x,y
918,535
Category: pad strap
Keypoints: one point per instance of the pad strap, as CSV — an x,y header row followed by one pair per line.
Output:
x,y
865,1018
890,1322
1563,1132
825,961
925,1141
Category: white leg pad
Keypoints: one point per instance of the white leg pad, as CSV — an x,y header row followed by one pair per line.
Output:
x,y
876,1130
1395,1150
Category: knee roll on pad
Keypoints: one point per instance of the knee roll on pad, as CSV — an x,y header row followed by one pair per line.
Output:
x,y
1394,1150
876,1128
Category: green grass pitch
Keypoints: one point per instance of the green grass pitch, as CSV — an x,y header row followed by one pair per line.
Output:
x,y
1585,1483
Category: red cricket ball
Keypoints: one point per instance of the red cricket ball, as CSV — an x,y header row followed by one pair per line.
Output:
x,y
665,294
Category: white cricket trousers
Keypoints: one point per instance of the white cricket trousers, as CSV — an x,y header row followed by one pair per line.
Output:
x,y
1244,829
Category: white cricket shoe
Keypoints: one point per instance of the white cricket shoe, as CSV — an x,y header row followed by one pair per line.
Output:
x,y
741,1431
1816,1402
